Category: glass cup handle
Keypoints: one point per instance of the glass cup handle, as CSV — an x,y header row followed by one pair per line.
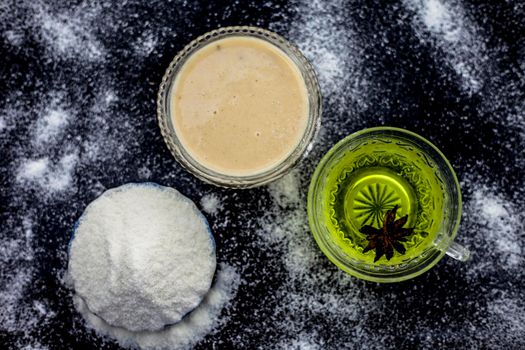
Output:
x,y
458,252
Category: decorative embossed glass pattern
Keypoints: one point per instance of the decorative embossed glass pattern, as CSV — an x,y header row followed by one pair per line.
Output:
x,y
369,173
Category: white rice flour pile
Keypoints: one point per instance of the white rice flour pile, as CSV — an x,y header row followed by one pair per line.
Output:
x,y
205,319
142,257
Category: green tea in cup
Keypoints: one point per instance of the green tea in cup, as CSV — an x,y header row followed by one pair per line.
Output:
x,y
384,205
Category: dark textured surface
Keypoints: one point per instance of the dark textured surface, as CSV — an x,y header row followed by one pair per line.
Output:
x,y
466,94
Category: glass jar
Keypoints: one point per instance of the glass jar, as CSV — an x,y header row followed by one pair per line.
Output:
x,y
184,157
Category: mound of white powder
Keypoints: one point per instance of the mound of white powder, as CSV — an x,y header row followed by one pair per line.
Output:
x,y
205,319
142,257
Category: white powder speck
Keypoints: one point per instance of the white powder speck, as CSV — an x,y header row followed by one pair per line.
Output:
x,y
34,346
39,306
491,206
27,226
14,37
91,150
145,44
144,173
438,18
43,308
33,169
285,191
51,125
61,177
211,204
328,64
110,97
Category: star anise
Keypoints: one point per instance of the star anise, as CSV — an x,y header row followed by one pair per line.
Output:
x,y
389,237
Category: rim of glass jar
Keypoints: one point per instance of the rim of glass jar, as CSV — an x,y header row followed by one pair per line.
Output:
x,y
208,175
382,274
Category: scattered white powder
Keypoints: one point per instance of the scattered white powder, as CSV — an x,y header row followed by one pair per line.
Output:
x,y
61,177
68,34
320,306
510,312
205,319
286,190
51,125
34,346
109,98
40,307
47,161
33,169
44,174
497,225
492,207
438,18
15,38
108,139
316,289
460,39
480,68
144,173
12,292
17,315
145,44
313,288
211,204
50,177
303,342
335,53
142,257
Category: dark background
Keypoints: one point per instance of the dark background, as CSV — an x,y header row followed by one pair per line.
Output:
x,y
390,69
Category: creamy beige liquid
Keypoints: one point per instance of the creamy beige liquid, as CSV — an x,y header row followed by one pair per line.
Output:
x,y
239,106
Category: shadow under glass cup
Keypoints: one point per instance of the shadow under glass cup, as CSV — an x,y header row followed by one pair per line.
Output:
x,y
406,156
190,163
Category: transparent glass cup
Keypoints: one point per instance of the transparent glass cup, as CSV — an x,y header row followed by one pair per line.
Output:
x,y
208,175
443,242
